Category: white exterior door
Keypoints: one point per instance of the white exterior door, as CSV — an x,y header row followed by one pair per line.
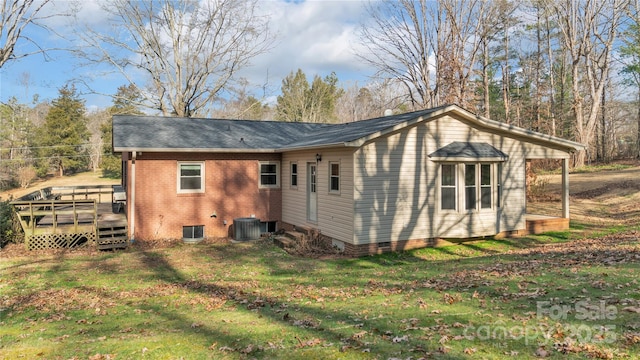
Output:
x,y
312,194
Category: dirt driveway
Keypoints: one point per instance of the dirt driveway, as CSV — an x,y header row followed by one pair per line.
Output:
x,y
605,198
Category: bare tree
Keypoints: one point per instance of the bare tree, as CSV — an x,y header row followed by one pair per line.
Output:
x,y
372,100
15,16
431,47
589,29
631,62
188,50
400,41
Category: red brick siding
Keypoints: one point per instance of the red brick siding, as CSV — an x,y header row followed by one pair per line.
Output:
x,y
376,248
231,191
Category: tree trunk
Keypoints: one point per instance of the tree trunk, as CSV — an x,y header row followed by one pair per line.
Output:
x,y
638,130
486,80
505,80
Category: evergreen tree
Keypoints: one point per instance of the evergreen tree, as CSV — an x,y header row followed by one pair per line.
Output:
x,y
309,103
124,103
291,104
64,135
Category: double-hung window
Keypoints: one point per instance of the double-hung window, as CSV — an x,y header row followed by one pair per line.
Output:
x,y
294,174
448,188
269,174
485,186
499,185
478,186
334,177
190,177
470,182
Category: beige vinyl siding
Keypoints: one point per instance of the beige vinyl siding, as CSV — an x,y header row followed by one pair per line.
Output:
x,y
396,195
335,210
294,210
392,195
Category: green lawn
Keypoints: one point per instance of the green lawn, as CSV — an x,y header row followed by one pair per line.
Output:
x,y
536,297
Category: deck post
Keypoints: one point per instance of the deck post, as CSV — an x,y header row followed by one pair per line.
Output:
x,y
565,188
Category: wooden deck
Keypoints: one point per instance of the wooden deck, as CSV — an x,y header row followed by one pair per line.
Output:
x,y
49,221
537,224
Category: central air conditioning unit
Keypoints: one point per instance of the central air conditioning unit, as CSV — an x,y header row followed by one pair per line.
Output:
x,y
246,229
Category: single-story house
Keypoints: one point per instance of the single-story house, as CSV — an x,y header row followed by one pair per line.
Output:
x,y
394,182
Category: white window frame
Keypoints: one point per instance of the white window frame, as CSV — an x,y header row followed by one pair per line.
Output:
x,y
332,177
491,186
454,186
478,186
293,174
499,185
460,186
180,190
277,175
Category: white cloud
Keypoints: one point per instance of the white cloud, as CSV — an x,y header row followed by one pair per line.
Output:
x,y
318,37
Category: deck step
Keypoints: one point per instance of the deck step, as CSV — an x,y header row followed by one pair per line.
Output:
x,y
112,235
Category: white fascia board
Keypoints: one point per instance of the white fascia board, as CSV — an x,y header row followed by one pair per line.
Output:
x,y
468,159
508,128
191,150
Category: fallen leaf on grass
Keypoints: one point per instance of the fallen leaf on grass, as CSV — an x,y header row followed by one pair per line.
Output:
x,y
308,343
470,351
401,339
249,349
359,335
541,352
102,357
631,309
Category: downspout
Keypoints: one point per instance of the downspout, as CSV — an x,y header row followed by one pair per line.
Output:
x,y
132,202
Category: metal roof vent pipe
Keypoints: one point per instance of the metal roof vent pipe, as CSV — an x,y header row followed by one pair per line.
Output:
x,y
388,112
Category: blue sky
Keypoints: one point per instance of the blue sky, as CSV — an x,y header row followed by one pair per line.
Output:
x,y
316,36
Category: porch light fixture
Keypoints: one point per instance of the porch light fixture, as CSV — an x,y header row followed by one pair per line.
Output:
x,y
318,157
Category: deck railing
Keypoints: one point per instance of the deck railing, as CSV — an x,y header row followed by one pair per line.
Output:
x,y
67,216
72,214
98,192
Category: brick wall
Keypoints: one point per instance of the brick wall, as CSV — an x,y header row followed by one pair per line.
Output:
x,y
231,191
379,248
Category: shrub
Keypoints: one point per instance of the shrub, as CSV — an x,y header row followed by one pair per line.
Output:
x,y
10,230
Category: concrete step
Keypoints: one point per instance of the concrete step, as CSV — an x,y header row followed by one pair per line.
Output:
x,y
295,235
284,241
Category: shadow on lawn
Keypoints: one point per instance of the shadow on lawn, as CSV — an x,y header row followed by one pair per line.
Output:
x,y
307,321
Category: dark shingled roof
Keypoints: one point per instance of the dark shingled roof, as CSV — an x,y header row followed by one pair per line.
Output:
x,y
151,132
157,133
468,150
